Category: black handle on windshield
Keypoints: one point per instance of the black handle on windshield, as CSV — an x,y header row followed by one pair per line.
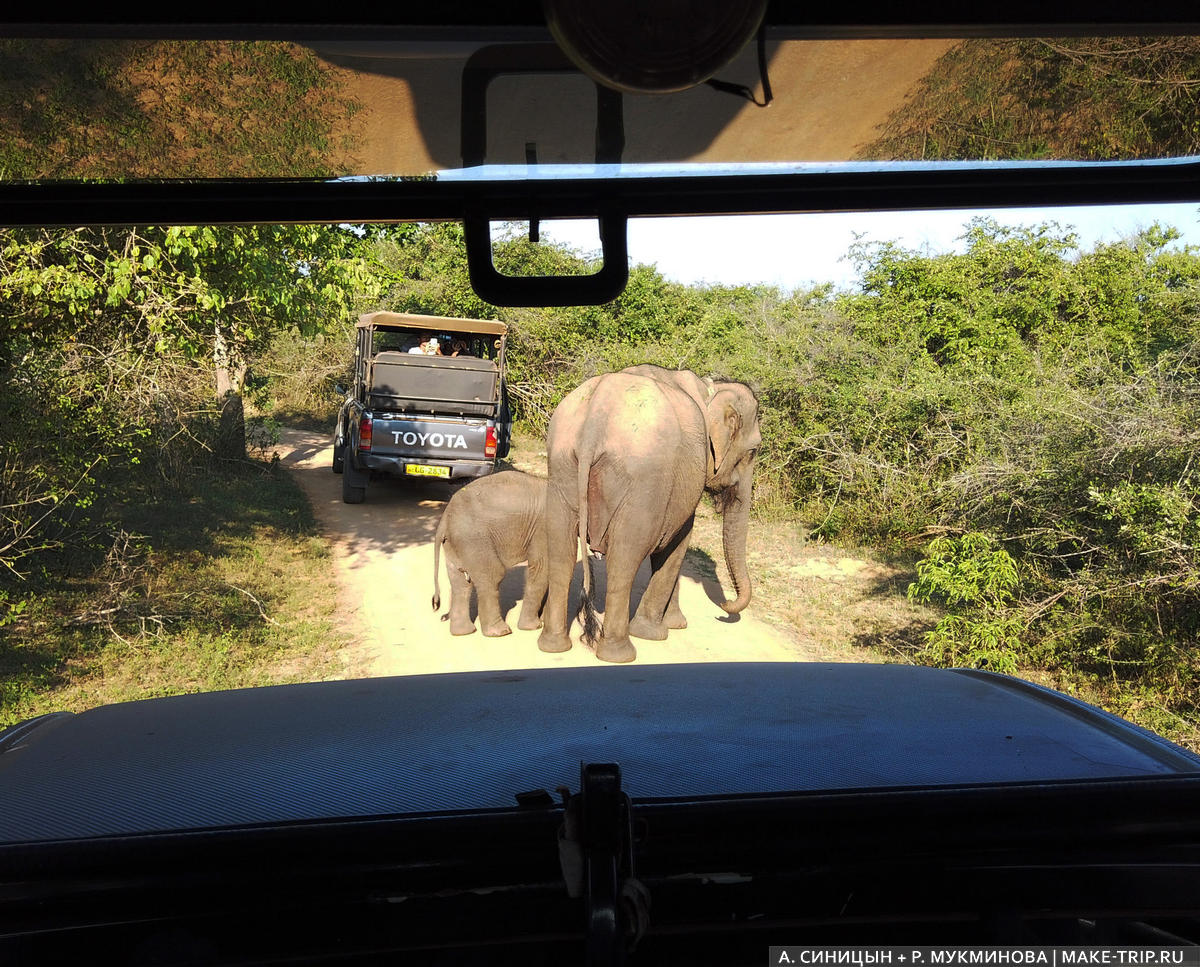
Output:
x,y
491,285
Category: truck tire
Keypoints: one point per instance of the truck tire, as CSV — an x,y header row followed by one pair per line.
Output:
x,y
354,485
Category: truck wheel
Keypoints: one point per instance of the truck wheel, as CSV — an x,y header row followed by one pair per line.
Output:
x,y
339,458
351,493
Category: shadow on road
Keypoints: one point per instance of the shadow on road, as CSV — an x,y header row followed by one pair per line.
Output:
x,y
399,518
397,513
700,567
512,589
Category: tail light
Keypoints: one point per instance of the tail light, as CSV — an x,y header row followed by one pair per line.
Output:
x,y
489,442
364,433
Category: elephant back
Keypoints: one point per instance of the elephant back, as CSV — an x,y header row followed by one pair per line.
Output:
x,y
644,420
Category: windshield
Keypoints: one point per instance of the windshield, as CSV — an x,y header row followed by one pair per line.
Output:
x,y
219,109
950,439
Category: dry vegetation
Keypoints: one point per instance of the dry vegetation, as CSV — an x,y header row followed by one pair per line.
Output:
x,y
1077,98
176,109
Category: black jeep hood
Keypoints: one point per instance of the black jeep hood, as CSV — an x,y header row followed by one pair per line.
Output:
x,y
455,742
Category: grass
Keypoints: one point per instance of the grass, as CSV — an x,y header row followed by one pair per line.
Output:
x,y
844,603
223,584
121,109
1094,99
297,377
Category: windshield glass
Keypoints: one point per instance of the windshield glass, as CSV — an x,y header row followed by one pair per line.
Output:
x,y
217,109
956,439
977,447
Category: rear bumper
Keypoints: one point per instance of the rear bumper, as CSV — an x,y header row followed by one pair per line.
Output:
x,y
395,465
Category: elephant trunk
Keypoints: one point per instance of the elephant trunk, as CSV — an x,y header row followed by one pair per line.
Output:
x,y
735,507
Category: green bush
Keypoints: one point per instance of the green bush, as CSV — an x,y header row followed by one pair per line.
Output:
x,y
977,581
1022,389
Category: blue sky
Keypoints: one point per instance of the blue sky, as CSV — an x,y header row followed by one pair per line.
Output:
x,y
798,250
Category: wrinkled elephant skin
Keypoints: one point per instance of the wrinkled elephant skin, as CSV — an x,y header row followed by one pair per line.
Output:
x,y
630,454
489,526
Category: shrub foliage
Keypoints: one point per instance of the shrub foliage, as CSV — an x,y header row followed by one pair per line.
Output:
x,y
1019,416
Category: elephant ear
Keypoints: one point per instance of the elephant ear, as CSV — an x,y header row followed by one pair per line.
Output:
x,y
724,422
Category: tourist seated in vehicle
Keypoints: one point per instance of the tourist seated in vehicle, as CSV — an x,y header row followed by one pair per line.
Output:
x,y
428,346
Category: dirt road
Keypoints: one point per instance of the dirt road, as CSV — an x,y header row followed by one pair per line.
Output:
x,y
383,563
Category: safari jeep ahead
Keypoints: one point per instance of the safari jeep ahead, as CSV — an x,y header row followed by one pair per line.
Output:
x,y
428,399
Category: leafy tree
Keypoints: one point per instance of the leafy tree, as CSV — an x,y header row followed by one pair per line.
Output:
x,y
205,293
985,306
109,335
423,268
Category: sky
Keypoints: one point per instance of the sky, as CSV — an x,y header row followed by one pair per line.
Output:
x,y
797,251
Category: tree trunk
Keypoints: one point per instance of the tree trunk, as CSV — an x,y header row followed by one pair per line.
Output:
x,y
231,419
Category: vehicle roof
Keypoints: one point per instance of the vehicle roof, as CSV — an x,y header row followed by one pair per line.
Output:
x,y
474,740
412,320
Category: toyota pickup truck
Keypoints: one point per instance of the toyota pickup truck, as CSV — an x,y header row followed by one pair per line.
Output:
x,y
428,399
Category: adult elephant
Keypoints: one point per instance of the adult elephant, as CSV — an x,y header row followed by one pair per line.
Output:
x,y
630,454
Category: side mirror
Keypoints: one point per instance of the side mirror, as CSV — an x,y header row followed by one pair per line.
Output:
x,y
339,389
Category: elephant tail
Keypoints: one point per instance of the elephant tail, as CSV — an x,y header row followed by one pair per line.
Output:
x,y
591,627
438,538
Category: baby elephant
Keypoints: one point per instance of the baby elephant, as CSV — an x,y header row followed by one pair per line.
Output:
x,y
492,524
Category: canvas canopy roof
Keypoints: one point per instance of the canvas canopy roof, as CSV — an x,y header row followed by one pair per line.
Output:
x,y
410,320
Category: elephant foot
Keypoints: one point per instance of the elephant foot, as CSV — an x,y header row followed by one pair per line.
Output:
x,y
529,624
641,627
675,620
620,650
553,643
497,629
461,627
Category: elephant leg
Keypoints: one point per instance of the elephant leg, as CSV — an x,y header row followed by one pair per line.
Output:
x,y
663,589
674,618
487,580
622,564
460,598
535,594
562,541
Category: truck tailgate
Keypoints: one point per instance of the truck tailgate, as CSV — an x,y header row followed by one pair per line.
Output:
x,y
429,438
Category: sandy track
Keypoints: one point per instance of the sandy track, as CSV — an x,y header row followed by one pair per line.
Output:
x,y
383,563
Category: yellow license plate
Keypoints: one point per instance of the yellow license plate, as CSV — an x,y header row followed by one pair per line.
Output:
x,y
417,470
